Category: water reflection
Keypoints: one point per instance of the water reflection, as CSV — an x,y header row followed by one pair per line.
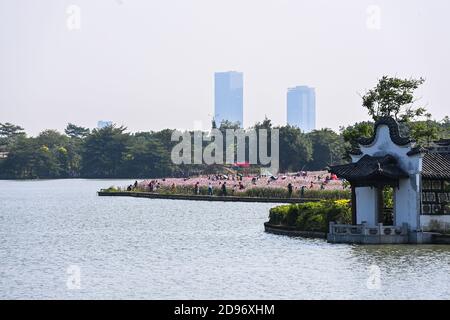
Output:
x,y
156,249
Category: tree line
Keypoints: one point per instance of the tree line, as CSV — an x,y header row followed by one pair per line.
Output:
x,y
113,152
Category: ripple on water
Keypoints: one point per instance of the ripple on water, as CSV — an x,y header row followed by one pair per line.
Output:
x,y
165,249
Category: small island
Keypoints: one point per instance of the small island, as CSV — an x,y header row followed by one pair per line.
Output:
x,y
309,219
236,187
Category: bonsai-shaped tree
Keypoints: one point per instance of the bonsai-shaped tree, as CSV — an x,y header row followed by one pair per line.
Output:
x,y
393,97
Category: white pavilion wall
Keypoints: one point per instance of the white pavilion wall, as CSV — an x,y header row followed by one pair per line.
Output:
x,y
407,203
407,196
366,205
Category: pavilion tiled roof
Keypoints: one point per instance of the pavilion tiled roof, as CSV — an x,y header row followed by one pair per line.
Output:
x,y
443,142
436,165
417,150
370,167
355,152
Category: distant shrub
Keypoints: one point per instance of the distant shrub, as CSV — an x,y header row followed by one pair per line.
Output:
x,y
277,215
252,192
263,193
328,194
311,216
112,189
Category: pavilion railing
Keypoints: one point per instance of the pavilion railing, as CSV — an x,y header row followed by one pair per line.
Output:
x,y
366,230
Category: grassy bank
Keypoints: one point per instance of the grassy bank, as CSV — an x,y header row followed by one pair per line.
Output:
x,y
311,216
250,192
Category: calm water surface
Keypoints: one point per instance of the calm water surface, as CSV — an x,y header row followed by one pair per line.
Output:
x,y
165,249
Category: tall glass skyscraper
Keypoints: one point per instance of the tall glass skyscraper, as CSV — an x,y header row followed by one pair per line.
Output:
x,y
229,97
301,108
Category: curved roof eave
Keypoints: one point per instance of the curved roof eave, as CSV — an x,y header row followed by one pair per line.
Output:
x,y
394,133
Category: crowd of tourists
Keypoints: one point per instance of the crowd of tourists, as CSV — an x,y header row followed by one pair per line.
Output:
x,y
226,184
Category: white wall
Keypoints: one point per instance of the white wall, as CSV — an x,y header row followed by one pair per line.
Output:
x,y
383,146
407,203
407,197
366,208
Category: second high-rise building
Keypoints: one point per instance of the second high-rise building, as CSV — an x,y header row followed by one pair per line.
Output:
x,y
301,108
229,97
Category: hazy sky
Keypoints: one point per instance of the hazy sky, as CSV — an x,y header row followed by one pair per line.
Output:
x,y
150,64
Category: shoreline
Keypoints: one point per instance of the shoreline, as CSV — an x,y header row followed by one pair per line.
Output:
x,y
293,232
203,197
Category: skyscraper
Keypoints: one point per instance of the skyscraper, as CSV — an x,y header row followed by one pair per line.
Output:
x,y
229,97
103,124
301,108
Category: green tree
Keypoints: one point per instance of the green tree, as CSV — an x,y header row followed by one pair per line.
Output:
x,y
445,128
74,131
225,124
425,132
8,135
62,156
328,149
146,158
21,159
74,148
9,130
266,124
46,164
393,97
102,155
351,134
295,149
45,156
52,139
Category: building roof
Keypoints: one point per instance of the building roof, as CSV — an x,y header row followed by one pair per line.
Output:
x,y
355,152
443,142
417,150
394,132
441,146
368,167
436,165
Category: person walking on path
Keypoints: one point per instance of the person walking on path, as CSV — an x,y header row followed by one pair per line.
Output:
x,y
196,188
302,192
289,186
224,189
210,189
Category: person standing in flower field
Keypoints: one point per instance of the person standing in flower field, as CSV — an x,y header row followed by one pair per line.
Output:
x,y
210,189
302,191
197,188
224,189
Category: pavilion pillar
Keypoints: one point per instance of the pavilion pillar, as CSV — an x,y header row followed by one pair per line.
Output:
x,y
380,205
354,220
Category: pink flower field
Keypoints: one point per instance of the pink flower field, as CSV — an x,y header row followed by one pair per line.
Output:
x,y
312,180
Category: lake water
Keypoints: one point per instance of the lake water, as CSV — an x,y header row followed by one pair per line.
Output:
x,y
53,231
